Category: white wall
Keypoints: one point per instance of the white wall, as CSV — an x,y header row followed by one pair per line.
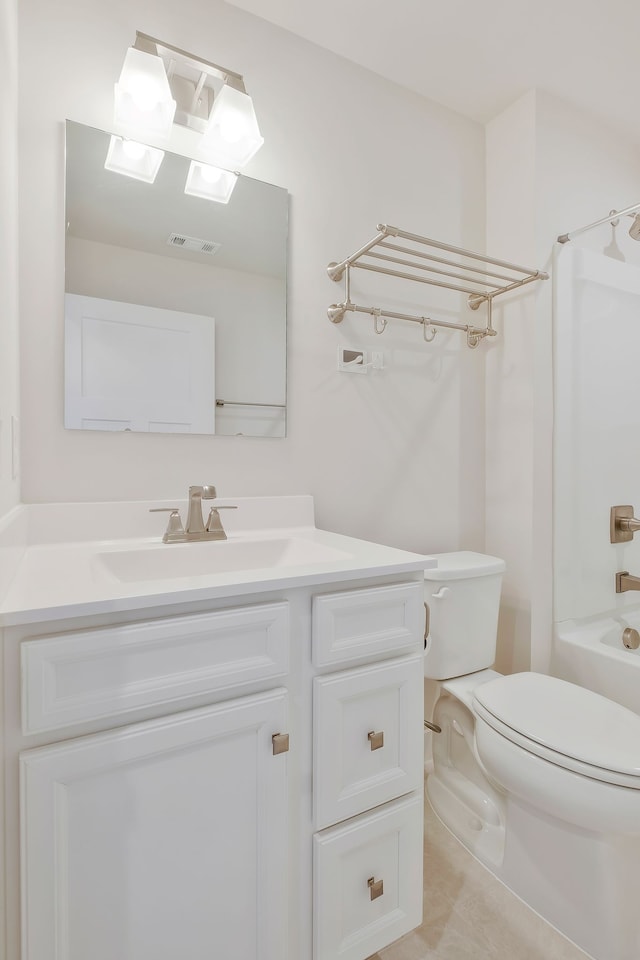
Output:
x,y
510,171
550,170
9,484
9,400
397,456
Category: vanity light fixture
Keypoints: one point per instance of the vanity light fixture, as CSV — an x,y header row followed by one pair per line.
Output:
x,y
232,136
143,105
161,85
209,182
133,159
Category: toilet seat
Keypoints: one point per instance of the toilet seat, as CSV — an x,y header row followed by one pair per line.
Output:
x,y
565,724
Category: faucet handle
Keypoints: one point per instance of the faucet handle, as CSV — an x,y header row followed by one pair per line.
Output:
x,y
175,530
213,524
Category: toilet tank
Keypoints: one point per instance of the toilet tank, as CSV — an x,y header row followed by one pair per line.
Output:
x,y
463,598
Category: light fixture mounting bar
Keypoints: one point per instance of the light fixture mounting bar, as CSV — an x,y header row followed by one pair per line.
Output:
x,y
184,59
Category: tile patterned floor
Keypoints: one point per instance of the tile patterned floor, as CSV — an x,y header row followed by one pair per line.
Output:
x,y
469,915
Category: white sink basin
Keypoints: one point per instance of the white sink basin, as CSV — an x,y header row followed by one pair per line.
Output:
x,y
175,560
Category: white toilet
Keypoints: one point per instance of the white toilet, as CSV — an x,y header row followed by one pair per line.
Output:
x,y
538,777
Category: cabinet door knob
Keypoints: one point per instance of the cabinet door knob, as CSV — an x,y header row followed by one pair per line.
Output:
x,y
376,739
376,888
280,743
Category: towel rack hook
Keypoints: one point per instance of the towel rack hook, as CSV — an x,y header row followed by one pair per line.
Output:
x,y
377,316
426,322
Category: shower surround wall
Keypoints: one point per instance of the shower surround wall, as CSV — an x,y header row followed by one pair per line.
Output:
x,y
597,455
391,456
597,465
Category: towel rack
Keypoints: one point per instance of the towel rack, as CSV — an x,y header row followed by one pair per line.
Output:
x,y
471,274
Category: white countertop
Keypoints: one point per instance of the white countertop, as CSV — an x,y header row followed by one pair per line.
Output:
x,y
56,578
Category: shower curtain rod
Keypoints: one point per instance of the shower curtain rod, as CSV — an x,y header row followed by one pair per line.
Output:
x,y
565,237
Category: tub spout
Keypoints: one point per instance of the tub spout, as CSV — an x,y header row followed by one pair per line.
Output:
x,y
624,582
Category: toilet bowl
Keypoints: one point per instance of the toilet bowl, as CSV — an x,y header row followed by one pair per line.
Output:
x,y
537,777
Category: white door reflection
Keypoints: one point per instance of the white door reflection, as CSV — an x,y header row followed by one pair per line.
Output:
x,y
133,367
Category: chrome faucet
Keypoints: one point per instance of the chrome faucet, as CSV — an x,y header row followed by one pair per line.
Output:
x,y
196,528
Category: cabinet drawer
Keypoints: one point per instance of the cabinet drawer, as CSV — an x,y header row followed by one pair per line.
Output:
x,y
85,675
368,881
367,737
353,624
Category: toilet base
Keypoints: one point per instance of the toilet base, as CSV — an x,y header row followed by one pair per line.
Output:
x,y
465,820
458,791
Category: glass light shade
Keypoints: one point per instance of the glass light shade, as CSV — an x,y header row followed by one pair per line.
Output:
x,y
232,136
143,102
210,183
133,159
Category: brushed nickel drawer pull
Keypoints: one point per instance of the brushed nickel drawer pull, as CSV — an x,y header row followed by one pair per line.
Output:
x,y
427,623
376,739
376,888
280,743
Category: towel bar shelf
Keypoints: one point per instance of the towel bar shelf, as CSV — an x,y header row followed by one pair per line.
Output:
x,y
481,278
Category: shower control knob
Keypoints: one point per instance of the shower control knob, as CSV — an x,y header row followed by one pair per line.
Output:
x,y
631,638
622,524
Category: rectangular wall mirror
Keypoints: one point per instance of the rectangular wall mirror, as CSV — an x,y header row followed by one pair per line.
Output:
x,y
175,305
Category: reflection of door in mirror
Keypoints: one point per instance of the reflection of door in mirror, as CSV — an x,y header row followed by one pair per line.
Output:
x,y
137,368
149,251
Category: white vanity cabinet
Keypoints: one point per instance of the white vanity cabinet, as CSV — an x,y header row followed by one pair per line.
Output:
x,y
154,809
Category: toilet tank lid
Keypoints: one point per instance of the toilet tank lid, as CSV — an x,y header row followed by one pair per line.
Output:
x,y
462,565
566,719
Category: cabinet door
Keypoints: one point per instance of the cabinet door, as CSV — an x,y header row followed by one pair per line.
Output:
x,y
163,840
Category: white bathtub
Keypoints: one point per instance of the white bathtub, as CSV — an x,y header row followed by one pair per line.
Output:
x,y
591,654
